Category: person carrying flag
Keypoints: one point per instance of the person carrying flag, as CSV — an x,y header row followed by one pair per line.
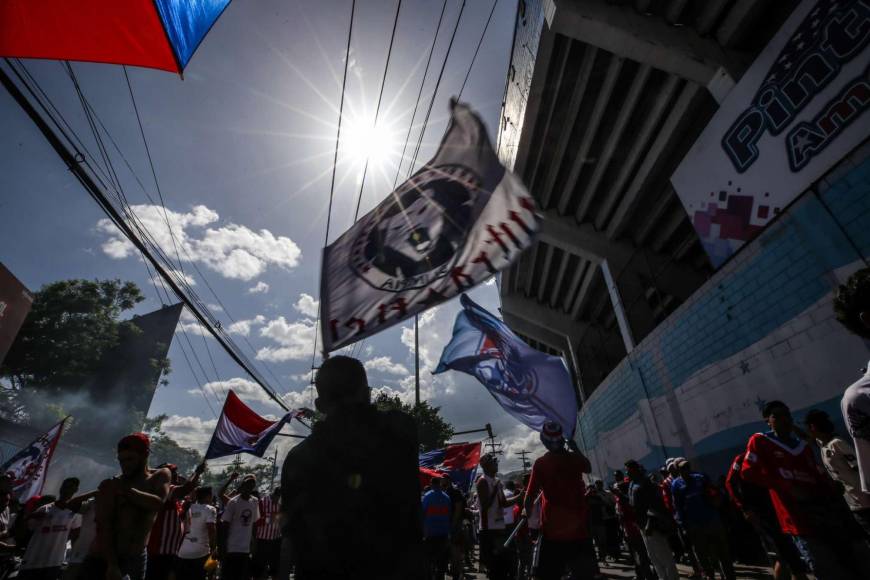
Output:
x,y
558,477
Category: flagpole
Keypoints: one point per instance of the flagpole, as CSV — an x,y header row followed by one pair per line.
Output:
x,y
416,361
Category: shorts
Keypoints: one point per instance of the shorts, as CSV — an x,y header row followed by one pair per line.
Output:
x,y
560,556
782,545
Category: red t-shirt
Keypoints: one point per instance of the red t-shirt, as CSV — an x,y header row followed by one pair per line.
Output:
x,y
563,514
791,474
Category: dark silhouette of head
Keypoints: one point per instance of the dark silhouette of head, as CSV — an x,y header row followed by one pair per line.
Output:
x,y
68,488
133,451
819,424
341,381
852,303
778,416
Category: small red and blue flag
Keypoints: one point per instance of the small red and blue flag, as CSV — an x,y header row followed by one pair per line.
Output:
x,y
241,430
458,461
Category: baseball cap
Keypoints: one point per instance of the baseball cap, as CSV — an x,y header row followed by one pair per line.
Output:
x,y
551,432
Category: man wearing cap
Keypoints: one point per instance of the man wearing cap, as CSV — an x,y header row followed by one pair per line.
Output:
x,y
236,531
350,490
558,477
126,508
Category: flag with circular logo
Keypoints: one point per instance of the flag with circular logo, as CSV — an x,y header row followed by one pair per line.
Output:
x,y
455,223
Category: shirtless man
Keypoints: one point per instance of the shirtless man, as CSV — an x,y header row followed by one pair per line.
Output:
x,y
126,508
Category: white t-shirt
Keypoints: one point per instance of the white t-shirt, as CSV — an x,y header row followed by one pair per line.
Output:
x,y
494,511
856,412
195,543
241,515
47,546
839,459
87,533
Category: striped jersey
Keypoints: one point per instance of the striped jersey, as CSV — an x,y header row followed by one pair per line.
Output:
x,y
168,530
268,527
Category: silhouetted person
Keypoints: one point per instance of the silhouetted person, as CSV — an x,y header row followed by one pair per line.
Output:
x,y
350,491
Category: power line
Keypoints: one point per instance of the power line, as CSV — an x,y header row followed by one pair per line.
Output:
x,y
378,107
420,93
476,50
79,167
435,91
335,159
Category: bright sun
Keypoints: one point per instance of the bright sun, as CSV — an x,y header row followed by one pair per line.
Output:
x,y
364,140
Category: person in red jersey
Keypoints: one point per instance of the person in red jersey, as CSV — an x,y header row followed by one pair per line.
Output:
x,y
168,530
267,537
558,477
755,505
807,505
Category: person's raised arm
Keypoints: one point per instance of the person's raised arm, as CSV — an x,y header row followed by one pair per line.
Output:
x,y
75,504
154,498
223,490
187,487
105,518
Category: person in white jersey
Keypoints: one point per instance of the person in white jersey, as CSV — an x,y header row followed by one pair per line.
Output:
x,y
240,515
199,540
493,530
82,545
53,525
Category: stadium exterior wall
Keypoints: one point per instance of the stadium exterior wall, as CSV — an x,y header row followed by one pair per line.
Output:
x,y
762,328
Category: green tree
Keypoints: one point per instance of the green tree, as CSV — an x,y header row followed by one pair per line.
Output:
x,y
433,432
165,449
71,325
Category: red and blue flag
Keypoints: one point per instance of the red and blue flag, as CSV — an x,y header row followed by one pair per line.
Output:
x,y
241,430
459,462
161,34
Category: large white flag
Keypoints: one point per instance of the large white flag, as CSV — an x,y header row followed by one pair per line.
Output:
x,y
454,224
28,467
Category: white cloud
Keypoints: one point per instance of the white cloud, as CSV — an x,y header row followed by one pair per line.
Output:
x,y
232,250
187,278
192,328
243,327
190,431
295,340
250,391
307,305
385,364
215,307
260,288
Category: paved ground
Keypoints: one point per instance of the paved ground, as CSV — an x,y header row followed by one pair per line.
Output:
x,y
624,571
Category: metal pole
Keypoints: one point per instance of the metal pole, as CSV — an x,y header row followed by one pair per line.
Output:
x,y
416,361
274,469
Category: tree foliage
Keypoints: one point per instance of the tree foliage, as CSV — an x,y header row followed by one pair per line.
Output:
x,y
71,325
164,449
433,432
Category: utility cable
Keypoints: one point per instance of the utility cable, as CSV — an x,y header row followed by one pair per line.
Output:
x,y
378,107
476,50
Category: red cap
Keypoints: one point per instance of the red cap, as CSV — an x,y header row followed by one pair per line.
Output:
x,y
138,442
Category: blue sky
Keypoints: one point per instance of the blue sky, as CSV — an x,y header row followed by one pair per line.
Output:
x,y
243,151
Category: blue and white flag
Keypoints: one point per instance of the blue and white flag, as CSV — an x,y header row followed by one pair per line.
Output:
x,y
531,386
240,430
455,223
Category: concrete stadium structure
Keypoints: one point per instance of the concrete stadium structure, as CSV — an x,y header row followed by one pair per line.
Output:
x,y
602,102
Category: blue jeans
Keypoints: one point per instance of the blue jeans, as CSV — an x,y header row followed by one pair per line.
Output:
x,y
834,560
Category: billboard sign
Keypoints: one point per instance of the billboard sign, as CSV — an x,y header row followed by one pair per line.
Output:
x,y
797,111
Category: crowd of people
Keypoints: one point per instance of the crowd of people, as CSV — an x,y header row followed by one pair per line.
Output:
x,y
350,506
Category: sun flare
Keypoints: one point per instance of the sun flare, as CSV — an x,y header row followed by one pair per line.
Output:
x,y
365,141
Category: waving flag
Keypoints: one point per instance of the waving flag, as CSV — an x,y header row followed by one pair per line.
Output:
x,y
161,34
454,224
240,430
532,386
28,467
458,461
